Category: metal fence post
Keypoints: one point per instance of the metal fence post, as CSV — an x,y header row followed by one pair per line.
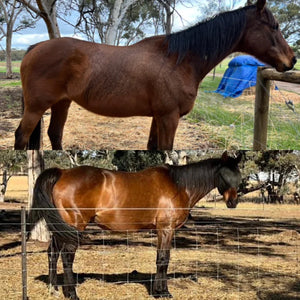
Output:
x,y
24,254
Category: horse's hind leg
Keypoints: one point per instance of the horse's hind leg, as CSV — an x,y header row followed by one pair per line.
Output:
x,y
59,113
27,125
53,255
160,286
68,255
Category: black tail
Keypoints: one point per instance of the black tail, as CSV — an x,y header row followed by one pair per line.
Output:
x,y
43,208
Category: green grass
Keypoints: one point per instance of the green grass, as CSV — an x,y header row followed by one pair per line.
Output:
x,y
15,66
228,123
210,84
11,83
297,66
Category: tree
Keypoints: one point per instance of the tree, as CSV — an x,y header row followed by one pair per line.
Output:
x,y
213,7
11,20
11,162
288,16
273,170
116,21
137,160
35,167
45,9
102,17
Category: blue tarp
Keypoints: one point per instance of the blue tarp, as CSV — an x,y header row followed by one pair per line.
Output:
x,y
240,75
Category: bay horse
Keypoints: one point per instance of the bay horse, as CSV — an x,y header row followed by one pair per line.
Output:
x,y
157,77
157,198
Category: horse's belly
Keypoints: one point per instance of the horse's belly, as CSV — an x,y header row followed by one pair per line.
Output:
x,y
125,219
118,107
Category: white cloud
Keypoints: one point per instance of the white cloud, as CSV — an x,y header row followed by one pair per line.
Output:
x,y
24,40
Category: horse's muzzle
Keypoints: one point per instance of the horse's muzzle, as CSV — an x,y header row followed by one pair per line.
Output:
x,y
231,198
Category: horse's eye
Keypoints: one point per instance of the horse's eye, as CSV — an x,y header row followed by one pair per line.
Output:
x,y
276,26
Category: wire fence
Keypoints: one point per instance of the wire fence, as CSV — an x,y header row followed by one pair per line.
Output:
x,y
241,255
230,121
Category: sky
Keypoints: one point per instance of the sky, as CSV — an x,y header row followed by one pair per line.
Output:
x,y
29,36
190,15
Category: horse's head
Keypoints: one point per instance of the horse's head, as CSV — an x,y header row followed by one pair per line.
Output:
x,y
263,38
228,179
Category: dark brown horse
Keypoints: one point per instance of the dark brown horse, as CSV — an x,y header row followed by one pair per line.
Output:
x,y
157,77
157,198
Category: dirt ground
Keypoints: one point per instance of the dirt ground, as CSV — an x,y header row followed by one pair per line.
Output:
x,y
248,253
85,130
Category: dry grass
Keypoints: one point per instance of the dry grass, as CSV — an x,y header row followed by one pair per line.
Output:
x,y
85,130
248,253
17,189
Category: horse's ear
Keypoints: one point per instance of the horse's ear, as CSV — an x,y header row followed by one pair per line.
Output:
x,y
249,2
261,5
224,156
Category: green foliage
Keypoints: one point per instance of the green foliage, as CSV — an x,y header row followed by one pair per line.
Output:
x,y
137,160
13,161
288,16
276,168
16,54
71,158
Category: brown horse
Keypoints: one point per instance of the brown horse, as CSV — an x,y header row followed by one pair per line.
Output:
x,y
157,77
157,198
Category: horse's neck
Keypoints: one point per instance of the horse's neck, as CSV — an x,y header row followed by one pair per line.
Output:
x,y
202,66
195,196
207,184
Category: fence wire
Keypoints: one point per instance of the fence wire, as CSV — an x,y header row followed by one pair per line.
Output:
x,y
211,256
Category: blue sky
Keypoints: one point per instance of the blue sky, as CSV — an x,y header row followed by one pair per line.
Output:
x,y
21,40
27,37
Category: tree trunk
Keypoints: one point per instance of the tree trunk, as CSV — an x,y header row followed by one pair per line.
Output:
x,y
114,23
9,73
48,13
3,186
35,167
118,12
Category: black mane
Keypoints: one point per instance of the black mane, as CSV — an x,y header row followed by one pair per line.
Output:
x,y
211,38
197,177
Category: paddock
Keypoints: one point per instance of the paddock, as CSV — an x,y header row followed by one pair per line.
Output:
x,y
247,253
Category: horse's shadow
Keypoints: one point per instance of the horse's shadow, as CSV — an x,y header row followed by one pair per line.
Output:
x,y
146,279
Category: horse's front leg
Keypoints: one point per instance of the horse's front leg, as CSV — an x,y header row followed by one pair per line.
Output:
x,y
68,255
160,286
166,129
153,138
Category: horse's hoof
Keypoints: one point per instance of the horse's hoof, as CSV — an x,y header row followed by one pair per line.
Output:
x,y
53,290
162,295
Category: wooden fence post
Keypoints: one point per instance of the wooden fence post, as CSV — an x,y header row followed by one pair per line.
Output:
x,y
261,113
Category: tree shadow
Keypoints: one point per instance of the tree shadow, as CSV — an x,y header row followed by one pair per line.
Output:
x,y
227,274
